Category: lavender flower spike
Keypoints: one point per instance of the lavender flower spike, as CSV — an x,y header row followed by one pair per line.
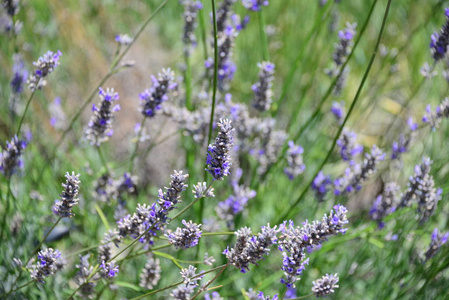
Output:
x,y
386,203
438,239
254,5
44,66
348,146
123,39
320,185
440,41
19,74
151,274
296,165
152,98
184,238
10,158
191,8
262,89
325,285
108,270
49,260
100,126
218,157
63,207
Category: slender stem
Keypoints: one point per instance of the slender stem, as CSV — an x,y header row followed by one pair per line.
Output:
x,y
5,214
26,107
33,253
147,251
210,282
203,33
291,209
328,93
136,146
302,297
177,283
214,94
85,249
114,63
16,289
102,159
192,203
263,37
218,233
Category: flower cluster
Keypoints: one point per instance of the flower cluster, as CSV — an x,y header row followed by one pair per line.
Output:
x,y
296,165
63,207
123,39
254,5
262,89
354,177
338,110
19,74
386,203
400,147
10,158
189,285
152,98
11,7
262,296
234,204
440,41
320,185
148,219
108,270
342,49
434,118
294,241
218,156
49,263
200,190
213,296
44,66
186,237
325,285
438,239
105,251
107,188
224,11
100,126
421,187
151,273
191,8
249,249
87,288
349,149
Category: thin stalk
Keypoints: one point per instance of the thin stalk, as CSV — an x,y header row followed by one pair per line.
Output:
x,y
218,233
26,107
147,251
33,253
291,210
203,33
110,72
302,297
177,283
263,37
214,93
326,96
5,214
136,146
16,289
291,74
192,203
102,159
210,282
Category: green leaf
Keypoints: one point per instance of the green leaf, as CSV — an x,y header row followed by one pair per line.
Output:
x,y
128,285
376,243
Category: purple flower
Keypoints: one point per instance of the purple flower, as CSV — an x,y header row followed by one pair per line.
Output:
x,y
438,239
348,146
254,5
295,162
187,237
49,263
63,207
108,270
44,66
152,98
338,110
218,157
123,39
191,8
100,126
10,157
19,74
321,185
262,89
325,285
440,41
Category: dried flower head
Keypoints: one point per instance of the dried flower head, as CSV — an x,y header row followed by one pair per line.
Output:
x,y
254,5
47,265
200,190
295,162
10,157
108,270
151,273
100,126
63,207
218,156
325,285
191,8
186,237
440,41
262,89
87,288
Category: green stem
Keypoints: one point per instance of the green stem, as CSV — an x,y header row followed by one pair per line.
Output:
x,y
210,282
218,233
26,107
136,146
302,297
103,160
291,209
203,33
263,37
323,100
177,283
5,214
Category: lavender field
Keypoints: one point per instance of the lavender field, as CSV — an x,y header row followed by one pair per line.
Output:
x,y
224,149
